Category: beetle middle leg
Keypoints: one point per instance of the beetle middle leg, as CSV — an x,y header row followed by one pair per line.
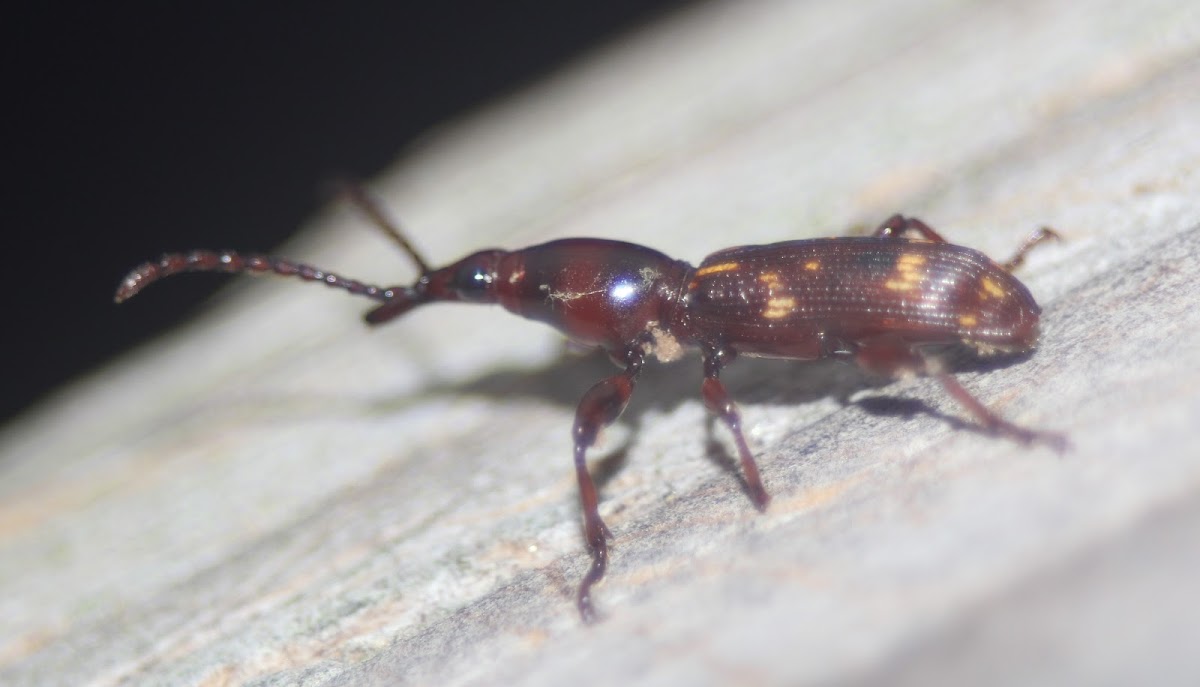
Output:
x,y
893,357
898,225
719,403
600,406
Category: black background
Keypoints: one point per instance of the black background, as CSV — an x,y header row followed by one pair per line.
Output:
x,y
140,129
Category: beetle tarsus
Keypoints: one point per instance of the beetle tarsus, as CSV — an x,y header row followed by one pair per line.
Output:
x,y
597,536
1038,237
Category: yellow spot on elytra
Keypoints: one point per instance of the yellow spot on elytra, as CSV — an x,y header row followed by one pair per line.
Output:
x,y
779,307
908,273
990,287
968,320
812,265
719,267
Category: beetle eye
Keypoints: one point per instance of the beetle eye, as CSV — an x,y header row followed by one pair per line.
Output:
x,y
472,281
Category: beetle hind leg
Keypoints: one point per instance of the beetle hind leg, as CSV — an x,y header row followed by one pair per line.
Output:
x,y
994,423
892,357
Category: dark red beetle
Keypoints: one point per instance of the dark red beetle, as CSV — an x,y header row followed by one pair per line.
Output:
x,y
877,301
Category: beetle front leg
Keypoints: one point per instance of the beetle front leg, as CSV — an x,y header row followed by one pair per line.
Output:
x,y
719,403
600,406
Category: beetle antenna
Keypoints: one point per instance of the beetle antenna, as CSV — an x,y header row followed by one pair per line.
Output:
x,y
229,261
373,209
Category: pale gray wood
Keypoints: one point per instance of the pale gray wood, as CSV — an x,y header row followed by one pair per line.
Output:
x,y
273,495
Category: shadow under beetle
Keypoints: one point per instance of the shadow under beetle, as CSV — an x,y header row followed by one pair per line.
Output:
x,y
875,301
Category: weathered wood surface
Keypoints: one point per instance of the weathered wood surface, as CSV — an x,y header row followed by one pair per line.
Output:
x,y
273,495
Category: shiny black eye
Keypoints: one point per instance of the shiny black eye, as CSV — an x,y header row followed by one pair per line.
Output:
x,y
472,280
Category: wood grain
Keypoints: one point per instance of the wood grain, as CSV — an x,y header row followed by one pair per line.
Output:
x,y
274,495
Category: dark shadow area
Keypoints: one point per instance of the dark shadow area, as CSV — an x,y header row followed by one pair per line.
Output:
x,y
661,388
909,408
140,129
